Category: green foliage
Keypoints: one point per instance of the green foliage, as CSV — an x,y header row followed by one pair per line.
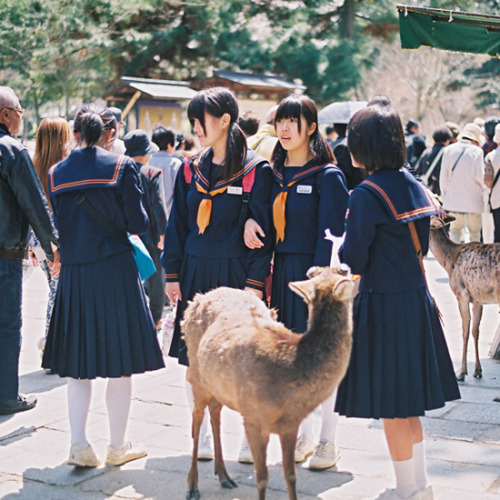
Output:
x,y
55,49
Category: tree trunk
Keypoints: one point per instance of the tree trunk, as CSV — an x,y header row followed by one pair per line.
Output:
x,y
347,19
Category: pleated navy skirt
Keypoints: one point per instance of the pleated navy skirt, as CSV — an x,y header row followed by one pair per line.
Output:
x,y
200,275
400,366
292,310
101,325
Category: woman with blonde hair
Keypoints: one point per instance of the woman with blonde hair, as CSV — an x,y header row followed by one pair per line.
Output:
x,y
52,145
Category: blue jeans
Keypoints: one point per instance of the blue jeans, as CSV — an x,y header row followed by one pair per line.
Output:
x,y
11,279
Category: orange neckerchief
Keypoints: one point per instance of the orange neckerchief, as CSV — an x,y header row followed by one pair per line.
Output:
x,y
279,204
202,185
205,207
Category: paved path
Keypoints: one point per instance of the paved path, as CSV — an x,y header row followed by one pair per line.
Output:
x,y
462,439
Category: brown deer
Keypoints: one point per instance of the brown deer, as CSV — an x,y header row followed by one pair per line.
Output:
x,y
241,357
474,275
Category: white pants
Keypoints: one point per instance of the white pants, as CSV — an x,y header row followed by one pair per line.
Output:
x,y
470,221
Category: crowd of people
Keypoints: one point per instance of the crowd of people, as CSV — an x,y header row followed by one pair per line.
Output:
x,y
250,199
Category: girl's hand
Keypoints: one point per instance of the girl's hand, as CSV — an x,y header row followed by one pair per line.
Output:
x,y
252,229
34,259
256,292
173,291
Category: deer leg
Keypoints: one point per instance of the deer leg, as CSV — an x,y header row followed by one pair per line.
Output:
x,y
258,446
288,439
463,305
193,493
477,313
219,467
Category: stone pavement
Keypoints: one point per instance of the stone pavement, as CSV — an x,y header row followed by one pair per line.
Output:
x,y
462,439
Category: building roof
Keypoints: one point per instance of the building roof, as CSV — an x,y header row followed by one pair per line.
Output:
x,y
155,89
257,80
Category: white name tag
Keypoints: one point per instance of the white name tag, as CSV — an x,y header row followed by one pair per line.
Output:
x,y
234,190
304,189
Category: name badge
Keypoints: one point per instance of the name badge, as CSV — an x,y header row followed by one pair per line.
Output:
x,y
304,189
235,190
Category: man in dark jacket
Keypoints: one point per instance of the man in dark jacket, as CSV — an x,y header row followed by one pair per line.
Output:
x,y
415,142
431,158
22,204
140,148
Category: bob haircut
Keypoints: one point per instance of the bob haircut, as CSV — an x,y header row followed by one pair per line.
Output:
x,y
376,139
217,101
302,107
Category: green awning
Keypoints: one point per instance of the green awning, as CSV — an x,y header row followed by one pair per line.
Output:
x,y
449,30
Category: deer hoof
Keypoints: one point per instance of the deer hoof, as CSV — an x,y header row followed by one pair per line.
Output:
x,y
461,376
478,373
193,495
229,484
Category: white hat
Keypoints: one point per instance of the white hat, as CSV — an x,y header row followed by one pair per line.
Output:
x,y
472,132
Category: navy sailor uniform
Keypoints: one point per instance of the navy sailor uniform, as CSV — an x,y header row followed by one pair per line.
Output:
x,y
207,257
101,325
400,366
312,206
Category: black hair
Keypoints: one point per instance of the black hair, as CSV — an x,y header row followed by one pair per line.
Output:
x,y
163,137
441,135
489,126
329,129
249,122
382,100
340,129
376,139
412,124
295,106
188,142
91,121
217,101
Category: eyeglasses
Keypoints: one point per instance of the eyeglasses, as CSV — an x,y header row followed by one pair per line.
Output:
x,y
21,111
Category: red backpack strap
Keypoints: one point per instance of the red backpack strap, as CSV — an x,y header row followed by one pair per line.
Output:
x,y
188,175
248,181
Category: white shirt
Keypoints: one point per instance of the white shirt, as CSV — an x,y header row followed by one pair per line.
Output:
x,y
463,189
169,166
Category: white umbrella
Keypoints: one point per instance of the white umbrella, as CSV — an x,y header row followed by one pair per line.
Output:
x,y
340,112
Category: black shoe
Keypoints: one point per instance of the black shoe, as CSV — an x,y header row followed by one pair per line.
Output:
x,y
22,403
497,399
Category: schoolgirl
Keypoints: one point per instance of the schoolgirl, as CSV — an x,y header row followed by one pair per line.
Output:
x,y
52,145
204,246
400,366
310,196
101,325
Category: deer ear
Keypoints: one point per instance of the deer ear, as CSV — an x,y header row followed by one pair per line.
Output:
x,y
343,289
303,288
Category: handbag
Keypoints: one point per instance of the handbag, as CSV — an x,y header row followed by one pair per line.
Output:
x,y
144,262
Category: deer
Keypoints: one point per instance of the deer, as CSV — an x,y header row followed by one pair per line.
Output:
x,y
474,277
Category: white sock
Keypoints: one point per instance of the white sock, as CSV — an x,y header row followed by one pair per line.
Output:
x,y
204,431
118,398
306,426
329,419
419,465
405,477
79,394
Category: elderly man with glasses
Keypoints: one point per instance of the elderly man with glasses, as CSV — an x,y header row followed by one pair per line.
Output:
x,y
22,204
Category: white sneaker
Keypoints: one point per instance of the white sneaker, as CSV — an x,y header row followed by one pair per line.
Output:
x,y
245,454
325,455
392,494
426,493
127,453
303,448
82,457
205,448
